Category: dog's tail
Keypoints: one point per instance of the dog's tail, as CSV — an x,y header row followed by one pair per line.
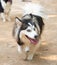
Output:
x,y
35,9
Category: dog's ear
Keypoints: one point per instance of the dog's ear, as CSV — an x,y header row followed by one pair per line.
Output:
x,y
31,15
18,21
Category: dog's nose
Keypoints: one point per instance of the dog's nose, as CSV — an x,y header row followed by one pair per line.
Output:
x,y
35,36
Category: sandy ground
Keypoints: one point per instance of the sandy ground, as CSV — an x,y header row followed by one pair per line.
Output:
x,y
47,54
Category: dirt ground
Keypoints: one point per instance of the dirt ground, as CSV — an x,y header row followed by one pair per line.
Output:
x,y
47,54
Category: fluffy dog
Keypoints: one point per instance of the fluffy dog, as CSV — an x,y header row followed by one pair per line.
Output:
x,y
5,6
27,32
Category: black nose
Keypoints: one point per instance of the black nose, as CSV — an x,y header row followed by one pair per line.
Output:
x,y
35,36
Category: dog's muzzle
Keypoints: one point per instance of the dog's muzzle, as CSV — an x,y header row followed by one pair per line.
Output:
x,y
33,41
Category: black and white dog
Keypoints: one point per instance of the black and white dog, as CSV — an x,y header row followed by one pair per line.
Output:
x,y
27,32
5,6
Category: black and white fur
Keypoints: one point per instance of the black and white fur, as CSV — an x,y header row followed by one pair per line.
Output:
x,y
27,32
3,4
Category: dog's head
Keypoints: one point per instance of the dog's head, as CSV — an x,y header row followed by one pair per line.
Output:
x,y
28,30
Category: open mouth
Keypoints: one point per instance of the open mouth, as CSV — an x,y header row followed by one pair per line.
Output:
x,y
33,41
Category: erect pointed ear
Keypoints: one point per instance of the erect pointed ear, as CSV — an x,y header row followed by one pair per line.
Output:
x,y
18,21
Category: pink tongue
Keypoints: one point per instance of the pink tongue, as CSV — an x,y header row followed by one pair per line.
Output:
x,y
33,41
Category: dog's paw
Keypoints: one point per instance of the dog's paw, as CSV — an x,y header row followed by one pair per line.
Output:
x,y
4,20
30,57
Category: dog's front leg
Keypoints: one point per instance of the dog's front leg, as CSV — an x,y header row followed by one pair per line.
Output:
x,y
30,57
32,51
19,49
3,17
7,11
8,17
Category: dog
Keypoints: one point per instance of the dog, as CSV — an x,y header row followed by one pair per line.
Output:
x,y
27,32
5,7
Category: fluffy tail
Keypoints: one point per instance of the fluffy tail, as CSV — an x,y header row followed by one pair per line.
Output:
x,y
35,9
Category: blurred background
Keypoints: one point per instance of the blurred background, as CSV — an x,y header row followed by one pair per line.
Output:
x,y
47,53
49,5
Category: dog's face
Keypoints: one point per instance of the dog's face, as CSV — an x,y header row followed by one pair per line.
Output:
x,y
27,28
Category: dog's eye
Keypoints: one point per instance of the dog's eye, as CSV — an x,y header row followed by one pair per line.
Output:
x,y
29,30
34,29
